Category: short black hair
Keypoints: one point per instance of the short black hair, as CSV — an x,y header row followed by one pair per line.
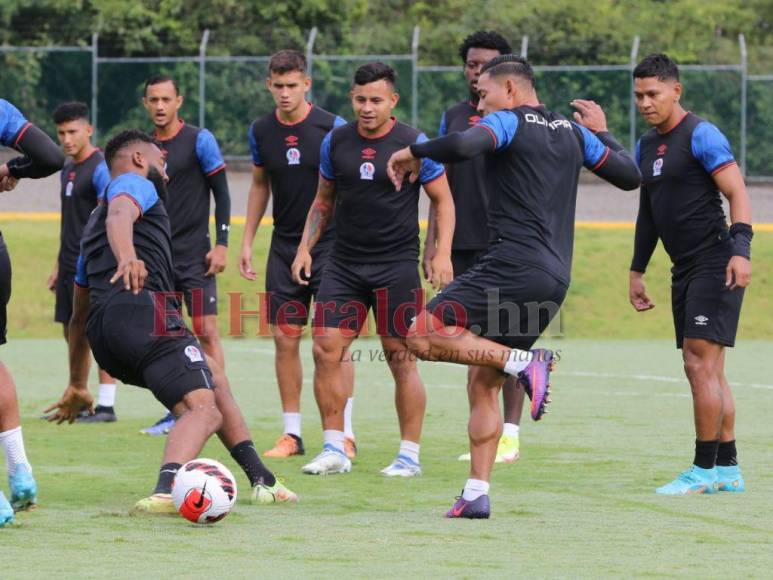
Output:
x,y
484,39
657,65
158,79
286,61
375,71
509,64
72,111
123,139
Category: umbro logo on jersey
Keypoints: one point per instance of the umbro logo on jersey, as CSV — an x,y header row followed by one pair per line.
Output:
x,y
369,153
662,149
657,167
701,320
474,120
291,141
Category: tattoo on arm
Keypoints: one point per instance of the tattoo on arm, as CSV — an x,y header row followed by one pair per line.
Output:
x,y
319,218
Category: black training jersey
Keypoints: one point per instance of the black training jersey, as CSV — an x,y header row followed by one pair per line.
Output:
x,y
374,223
191,156
531,179
679,198
290,154
467,180
83,186
151,235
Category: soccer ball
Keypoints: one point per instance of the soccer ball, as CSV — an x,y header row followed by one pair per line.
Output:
x,y
204,491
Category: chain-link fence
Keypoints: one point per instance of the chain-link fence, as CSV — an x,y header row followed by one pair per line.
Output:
x,y
224,93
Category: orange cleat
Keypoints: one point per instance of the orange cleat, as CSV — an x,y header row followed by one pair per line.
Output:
x,y
350,448
286,446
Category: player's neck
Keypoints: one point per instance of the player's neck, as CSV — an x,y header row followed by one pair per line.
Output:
x,y
170,129
673,120
296,115
84,153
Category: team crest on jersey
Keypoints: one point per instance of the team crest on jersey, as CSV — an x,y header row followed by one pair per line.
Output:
x,y
369,153
657,167
367,171
662,149
68,189
293,156
193,354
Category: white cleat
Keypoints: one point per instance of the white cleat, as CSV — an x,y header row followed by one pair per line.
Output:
x,y
330,461
402,467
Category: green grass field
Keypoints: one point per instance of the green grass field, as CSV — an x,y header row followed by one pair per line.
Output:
x,y
580,502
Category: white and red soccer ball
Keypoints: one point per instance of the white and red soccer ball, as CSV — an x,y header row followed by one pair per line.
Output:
x,y
204,491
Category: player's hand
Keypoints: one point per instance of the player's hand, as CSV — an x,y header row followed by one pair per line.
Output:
x,y
7,181
133,273
51,282
245,264
301,268
738,273
400,164
442,271
637,293
590,115
430,251
74,400
216,259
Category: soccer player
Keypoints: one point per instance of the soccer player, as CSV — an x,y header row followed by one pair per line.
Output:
x,y
467,180
373,262
686,162
285,153
124,289
83,181
195,168
40,157
533,161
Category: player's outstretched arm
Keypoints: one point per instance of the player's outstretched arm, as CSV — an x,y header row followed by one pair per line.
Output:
x,y
319,217
441,269
257,202
122,212
739,268
40,155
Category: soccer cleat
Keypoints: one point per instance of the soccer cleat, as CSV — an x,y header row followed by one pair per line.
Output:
x,y
402,466
24,490
477,509
693,481
535,379
350,447
160,427
158,503
6,511
729,478
508,449
286,446
101,415
277,493
331,460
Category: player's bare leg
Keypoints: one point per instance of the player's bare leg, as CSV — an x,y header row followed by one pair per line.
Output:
x,y
209,337
105,409
289,377
729,476
347,371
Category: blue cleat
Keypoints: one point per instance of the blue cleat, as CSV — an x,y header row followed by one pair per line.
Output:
x,y
161,427
478,509
729,478
6,511
693,481
24,490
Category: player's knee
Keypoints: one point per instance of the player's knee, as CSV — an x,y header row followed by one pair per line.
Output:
x,y
325,352
213,418
286,345
418,345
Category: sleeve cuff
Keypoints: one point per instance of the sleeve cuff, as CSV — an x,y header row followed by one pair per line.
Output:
x,y
723,166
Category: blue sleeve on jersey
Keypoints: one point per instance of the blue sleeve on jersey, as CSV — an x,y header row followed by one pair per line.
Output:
x,y
710,147
430,170
637,153
325,163
594,149
254,146
100,179
339,121
139,189
81,279
442,130
11,122
502,125
208,152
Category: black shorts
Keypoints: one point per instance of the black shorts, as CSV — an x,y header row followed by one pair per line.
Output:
x,y
463,260
199,291
704,307
511,304
5,289
130,343
288,302
349,290
65,286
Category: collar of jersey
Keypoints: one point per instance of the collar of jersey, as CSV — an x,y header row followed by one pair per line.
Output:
x,y
176,133
298,122
671,130
393,120
87,158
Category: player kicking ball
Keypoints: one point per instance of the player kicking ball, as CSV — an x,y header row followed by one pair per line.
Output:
x,y
124,288
534,158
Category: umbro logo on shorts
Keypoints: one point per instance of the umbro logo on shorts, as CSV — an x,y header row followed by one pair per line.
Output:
x,y
701,320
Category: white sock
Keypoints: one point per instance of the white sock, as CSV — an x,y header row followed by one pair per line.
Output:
x,y
511,430
292,423
13,443
410,450
106,397
474,488
348,429
334,438
517,360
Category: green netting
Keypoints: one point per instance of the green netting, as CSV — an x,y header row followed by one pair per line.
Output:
x,y
759,129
